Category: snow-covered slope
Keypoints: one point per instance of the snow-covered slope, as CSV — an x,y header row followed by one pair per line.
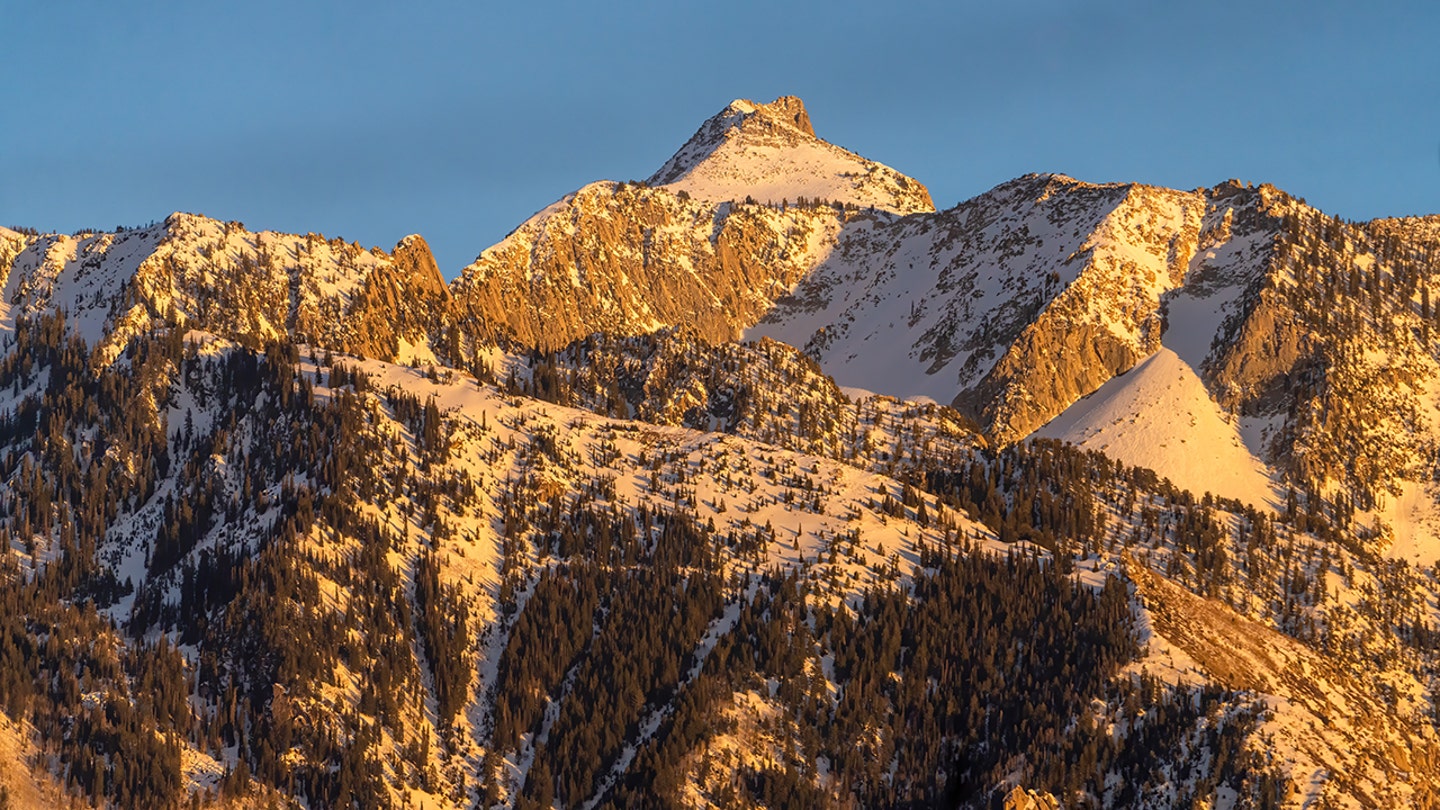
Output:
x,y
769,153
1160,416
1015,303
84,275
24,788
1327,726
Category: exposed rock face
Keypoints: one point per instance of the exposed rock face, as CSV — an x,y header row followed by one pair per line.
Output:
x,y
1021,799
793,109
1258,342
1012,305
400,301
1253,372
631,259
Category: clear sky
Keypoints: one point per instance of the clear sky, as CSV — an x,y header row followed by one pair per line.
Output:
x,y
371,120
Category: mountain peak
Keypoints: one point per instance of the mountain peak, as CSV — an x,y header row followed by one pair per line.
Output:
x,y
789,109
750,116
770,153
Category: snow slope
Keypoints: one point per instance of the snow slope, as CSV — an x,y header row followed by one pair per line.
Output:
x,y
1326,724
1414,519
24,787
929,306
83,275
770,153
1159,415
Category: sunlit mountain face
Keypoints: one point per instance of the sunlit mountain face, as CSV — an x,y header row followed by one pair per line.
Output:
x,y
760,483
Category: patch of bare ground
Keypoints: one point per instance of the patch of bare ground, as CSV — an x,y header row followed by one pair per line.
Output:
x,y
21,786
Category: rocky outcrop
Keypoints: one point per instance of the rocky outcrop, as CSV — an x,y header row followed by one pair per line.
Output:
x,y
1021,799
1254,372
792,109
1044,371
1102,323
629,259
400,303
1258,345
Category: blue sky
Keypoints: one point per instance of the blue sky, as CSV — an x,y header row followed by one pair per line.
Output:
x,y
371,120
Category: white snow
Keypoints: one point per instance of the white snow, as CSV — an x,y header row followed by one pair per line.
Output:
x,y
742,105
749,150
1159,415
83,275
923,307
1414,519
772,174
196,270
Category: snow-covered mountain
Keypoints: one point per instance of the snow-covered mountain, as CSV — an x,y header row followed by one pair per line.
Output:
x,y
198,272
293,522
747,208
770,153
1012,306
966,305
963,306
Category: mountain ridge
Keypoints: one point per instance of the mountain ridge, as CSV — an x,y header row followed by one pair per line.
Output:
x,y
291,521
1011,306
215,275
